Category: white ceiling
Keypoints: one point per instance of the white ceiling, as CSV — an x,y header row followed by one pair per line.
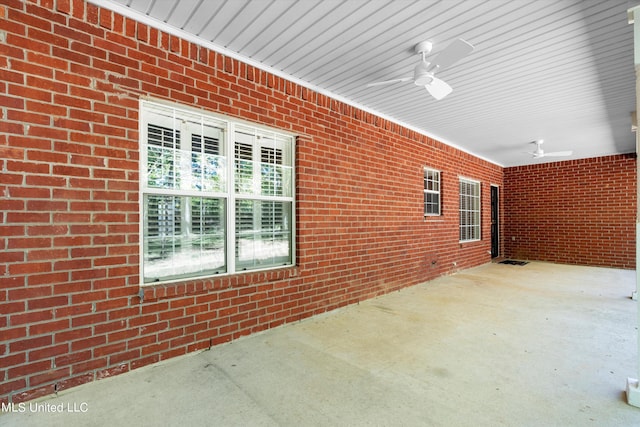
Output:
x,y
561,70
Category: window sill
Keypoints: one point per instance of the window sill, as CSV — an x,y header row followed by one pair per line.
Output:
x,y
464,242
161,291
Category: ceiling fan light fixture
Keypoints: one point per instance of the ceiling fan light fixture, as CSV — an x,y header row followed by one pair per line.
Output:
x,y
424,80
438,89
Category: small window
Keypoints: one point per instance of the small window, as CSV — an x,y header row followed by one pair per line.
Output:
x,y
469,210
431,192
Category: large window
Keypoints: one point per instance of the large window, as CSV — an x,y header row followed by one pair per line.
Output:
x,y
431,192
469,210
217,195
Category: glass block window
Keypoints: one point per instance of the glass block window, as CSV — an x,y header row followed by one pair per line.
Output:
x,y
469,210
431,192
217,196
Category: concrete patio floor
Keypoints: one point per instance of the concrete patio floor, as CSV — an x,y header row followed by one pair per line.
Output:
x,y
497,345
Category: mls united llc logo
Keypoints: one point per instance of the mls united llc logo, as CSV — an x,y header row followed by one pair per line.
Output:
x,y
69,407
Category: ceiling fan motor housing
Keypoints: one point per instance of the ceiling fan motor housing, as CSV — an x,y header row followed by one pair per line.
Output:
x,y
421,74
539,152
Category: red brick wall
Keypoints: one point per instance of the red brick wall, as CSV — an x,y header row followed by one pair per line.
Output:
x,y
71,307
572,212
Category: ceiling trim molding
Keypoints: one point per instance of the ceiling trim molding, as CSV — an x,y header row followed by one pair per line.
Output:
x,y
163,26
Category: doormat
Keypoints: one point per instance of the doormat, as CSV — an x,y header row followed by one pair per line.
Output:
x,y
512,262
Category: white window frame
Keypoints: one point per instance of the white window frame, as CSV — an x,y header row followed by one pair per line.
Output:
x,y
470,210
226,192
431,191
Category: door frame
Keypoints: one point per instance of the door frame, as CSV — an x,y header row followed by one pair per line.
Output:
x,y
495,221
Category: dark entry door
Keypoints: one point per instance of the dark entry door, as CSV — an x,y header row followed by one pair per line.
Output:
x,y
495,238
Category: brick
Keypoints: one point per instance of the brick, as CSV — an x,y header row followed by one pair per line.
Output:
x,y
71,171
46,254
89,365
48,377
46,205
109,349
23,370
29,93
48,278
88,274
46,84
30,142
74,381
73,264
48,352
11,52
13,77
64,100
30,192
29,268
48,327
64,6
8,282
76,335
73,358
106,373
31,242
14,333
123,357
88,319
34,393
30,344
27,43
54,301
45,63
7,387
11,257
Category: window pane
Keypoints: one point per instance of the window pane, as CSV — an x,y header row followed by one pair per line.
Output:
x,y
162,146
432,203
271,171
208,164
263,163
263,233
431,180
275,180
244,168
174,164
183,236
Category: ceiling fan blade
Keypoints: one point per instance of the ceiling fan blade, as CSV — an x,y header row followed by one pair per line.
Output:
x,y
457,50
558,153
386,82
438,88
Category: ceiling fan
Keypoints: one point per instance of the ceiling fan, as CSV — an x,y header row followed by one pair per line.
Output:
x,y
540,153
424,72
